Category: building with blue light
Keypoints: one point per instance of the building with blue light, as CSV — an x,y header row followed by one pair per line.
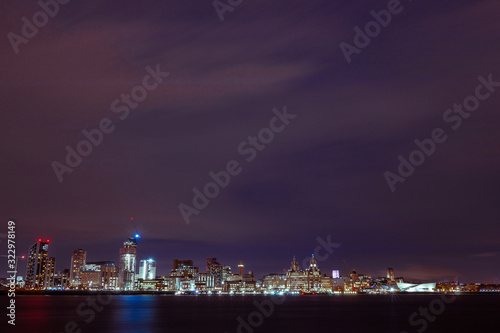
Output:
x,y
127,265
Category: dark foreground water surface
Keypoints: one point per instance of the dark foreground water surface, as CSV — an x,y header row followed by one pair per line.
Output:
x,y
306,314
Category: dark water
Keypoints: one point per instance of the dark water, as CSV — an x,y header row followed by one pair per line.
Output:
x,y
306,314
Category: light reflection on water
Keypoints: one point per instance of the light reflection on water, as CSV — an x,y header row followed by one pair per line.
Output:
x,y
358,313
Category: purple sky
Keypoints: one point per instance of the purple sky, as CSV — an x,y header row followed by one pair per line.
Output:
x,y
323,175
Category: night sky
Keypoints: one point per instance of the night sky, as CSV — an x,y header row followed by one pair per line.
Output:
x,y
322,175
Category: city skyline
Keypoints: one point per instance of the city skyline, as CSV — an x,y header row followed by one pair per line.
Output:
x,y
282,166
284,122
136,265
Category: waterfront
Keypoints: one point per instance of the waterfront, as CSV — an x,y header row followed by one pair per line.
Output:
x,y
320,313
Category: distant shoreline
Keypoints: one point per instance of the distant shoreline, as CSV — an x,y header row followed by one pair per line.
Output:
x,y
173,293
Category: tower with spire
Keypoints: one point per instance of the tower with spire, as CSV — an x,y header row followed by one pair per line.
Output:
x,y
313,275
294,266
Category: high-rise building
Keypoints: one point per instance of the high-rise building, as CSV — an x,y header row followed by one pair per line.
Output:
x,y
227,274
390,274
78,261
37,264
109,275
215,269
50,273
147,269
127,266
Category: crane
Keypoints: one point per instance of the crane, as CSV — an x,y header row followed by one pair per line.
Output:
x,y
346,266
136,235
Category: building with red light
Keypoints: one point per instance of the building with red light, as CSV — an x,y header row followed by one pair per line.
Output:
x,y
37,265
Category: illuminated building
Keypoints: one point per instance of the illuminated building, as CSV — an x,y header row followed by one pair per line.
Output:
x,y
295,277
357,282
109,275
335,274
77,265
489,288
147,269
183,275
241,285
309,280
338,284
183,268
412,287
153,285
227,275
215,269
204,281
274,282
50,273
91,279
314,276
127,266
62,279
99,275
238,282
390,274
20,282
37,265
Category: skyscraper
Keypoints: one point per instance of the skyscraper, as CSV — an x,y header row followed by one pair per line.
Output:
x,y
77,265
215,270
127,266
147,269
50,273
37,264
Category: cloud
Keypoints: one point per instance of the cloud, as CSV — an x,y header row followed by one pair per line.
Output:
x,y
426,273
485,255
